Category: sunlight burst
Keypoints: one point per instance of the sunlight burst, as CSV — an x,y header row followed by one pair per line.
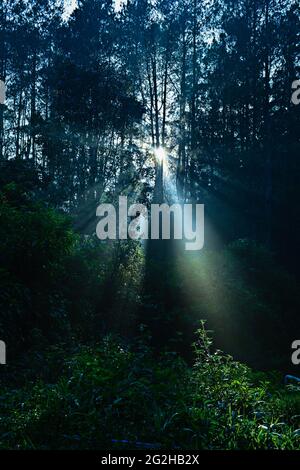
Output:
x,y
160,154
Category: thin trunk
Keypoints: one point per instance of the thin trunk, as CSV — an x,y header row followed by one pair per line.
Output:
x,y
2,73
151,107
182,164
165,92
156,108
194,96
33,106
267,150
159,167
18,126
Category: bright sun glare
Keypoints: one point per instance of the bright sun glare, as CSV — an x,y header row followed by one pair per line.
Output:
x,y
160,154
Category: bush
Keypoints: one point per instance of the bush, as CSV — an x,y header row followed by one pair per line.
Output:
x,y
110,397
56,286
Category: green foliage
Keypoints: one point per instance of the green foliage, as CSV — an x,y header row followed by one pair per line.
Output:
x,y
74,383
237,405
34,239
55,285
108,393
34,243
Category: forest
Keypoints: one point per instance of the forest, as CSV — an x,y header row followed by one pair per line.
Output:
x,y
174,102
